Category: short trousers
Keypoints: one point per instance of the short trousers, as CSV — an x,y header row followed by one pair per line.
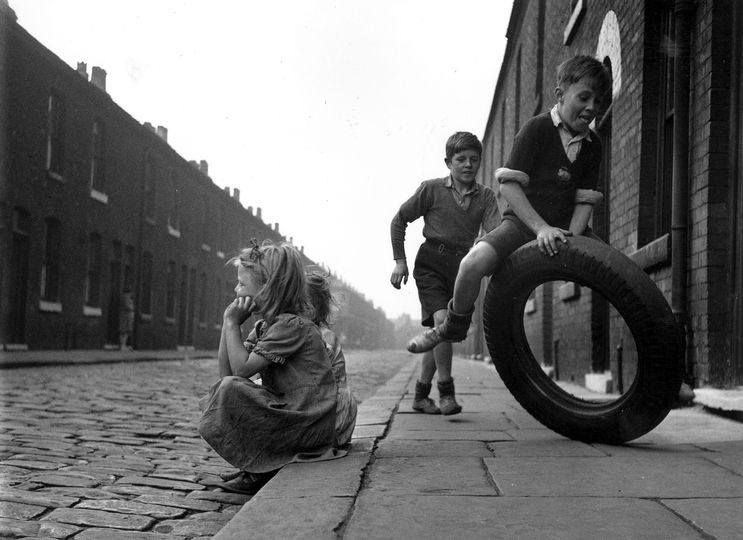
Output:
x,y
511,235
507,238
435,272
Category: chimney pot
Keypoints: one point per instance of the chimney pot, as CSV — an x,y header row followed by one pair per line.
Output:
x,y
162,131
82,69
98,77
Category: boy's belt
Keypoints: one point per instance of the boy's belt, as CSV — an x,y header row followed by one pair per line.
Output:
x,y
443,248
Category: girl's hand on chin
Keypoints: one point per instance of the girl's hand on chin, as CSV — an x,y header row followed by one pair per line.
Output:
x,y
239,309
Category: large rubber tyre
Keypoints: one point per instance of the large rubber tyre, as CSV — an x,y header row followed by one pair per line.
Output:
x,y
658,337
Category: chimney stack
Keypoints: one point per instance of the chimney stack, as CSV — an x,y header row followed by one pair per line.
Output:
x,y
162,131
276,227
258,213
226,189
149,126
236,194
82,69
250,210
204,167
98,77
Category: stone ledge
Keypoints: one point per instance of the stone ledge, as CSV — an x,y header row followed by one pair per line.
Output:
x,y
726,402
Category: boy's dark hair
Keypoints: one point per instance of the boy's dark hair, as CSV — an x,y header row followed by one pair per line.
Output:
x,y
461,141
584,67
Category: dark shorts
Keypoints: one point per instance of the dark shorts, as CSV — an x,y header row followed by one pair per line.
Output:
x,y
435,271
507,238
511,235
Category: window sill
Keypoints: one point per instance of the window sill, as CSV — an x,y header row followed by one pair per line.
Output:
x,y
202,325
145,317
569,291
150,220
206,247
55,176
531,306
90,311
98,196
655,253
175,233
50,307
170,321
15,347
220,254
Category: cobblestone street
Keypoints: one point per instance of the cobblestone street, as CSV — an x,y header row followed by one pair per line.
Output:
x,y
112,450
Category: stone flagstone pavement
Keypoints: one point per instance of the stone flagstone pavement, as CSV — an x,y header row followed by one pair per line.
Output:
x,y
494,472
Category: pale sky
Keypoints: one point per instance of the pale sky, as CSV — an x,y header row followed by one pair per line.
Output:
x,y
326,114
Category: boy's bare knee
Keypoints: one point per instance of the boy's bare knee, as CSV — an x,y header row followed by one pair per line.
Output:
x,y
478,262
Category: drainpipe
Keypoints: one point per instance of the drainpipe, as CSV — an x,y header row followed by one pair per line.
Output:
x,y
683,10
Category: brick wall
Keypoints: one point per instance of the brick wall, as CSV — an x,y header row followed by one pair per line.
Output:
x,y
635,162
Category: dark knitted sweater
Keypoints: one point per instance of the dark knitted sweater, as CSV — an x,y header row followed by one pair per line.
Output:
x,y
444,220
553,179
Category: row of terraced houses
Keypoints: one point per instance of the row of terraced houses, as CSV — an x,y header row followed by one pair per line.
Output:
x,y
672,172
92,202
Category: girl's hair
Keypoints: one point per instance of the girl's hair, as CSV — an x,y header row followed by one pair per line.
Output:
x,y
280,270
318,290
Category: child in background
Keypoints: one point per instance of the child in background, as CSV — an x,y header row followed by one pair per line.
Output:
x,y
291,415
454,209
322,302
550,184
126,318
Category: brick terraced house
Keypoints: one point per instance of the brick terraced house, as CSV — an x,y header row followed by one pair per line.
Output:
x,y
93,202
672,134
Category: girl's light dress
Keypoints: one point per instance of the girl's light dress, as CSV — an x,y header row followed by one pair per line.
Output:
x,y
346,409
290,416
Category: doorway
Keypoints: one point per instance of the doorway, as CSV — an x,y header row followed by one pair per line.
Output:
x,y
114,296
736,179
19,276
600,330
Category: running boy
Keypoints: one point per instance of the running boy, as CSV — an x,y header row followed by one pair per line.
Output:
x,y
549,183
454,209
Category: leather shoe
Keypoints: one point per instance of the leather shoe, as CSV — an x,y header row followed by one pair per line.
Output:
x,y
425,341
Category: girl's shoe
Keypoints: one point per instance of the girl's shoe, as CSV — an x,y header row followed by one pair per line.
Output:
x,y
247,483
230,475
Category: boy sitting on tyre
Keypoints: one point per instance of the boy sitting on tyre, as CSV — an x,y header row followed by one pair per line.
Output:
x,y
549,183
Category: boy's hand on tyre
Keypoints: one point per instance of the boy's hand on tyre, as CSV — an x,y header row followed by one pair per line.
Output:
x,y
549,239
